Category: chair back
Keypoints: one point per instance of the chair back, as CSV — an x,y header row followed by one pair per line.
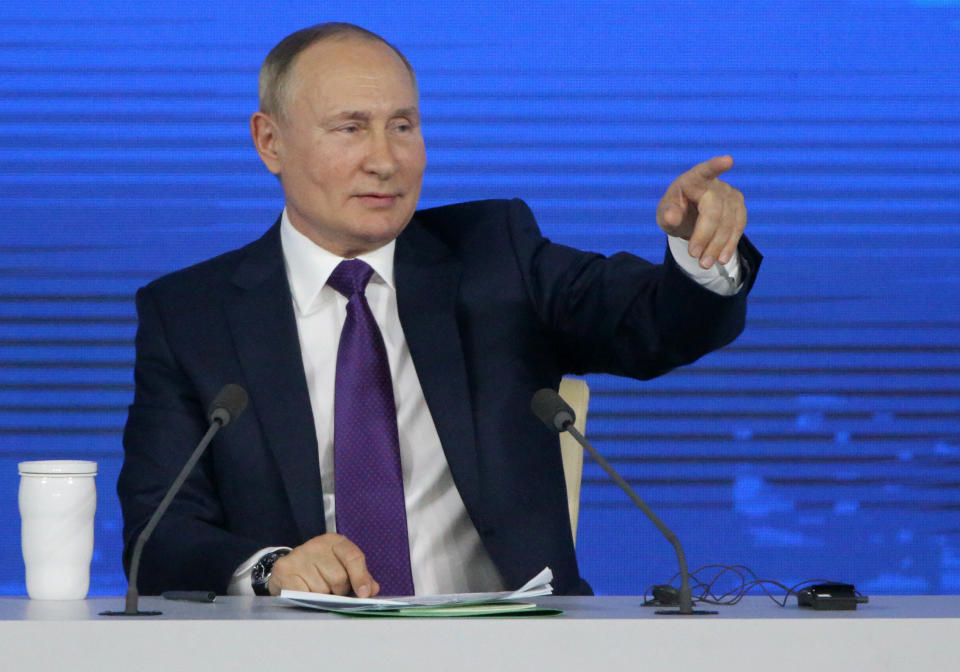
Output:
x,y
575,392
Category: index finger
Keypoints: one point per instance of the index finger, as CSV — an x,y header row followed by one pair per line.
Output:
x,y
701,175
355,562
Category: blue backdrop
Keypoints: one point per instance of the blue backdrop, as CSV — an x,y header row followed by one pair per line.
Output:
x,y
823,443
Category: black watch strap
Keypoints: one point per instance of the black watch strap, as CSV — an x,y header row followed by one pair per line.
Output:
x,y
260,576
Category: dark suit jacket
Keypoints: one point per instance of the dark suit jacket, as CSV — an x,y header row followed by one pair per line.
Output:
x,y
491,311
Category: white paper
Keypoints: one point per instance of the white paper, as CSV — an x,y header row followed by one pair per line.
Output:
x,y
535,587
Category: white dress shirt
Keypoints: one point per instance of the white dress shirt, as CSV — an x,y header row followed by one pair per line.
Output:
x,y
446,554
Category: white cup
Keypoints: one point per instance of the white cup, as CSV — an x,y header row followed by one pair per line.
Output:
x,y
57,501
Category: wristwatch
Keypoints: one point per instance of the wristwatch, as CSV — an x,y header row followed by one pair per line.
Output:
x,y
262,571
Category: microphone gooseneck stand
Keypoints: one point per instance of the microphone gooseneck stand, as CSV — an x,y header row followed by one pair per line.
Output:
x,y
229,403
557,415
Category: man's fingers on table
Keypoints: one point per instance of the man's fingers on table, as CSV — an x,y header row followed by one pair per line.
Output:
x,y
332,574
354,562
291,582
296,571
314,564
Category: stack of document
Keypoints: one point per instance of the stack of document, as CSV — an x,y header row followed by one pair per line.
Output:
x,y
506,603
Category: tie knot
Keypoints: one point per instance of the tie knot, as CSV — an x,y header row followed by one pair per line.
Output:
x,y
350,277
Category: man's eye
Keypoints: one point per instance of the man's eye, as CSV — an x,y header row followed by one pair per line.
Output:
x,y
349,129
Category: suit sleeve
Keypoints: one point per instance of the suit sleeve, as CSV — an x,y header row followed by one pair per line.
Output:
x,y
622,314
190,548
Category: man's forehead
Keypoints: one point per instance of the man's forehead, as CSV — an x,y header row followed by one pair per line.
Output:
x,y
359,59
352,73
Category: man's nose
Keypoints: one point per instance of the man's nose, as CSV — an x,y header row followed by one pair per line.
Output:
x,y
380,159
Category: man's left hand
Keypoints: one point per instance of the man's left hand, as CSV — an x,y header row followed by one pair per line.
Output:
x,y
708,213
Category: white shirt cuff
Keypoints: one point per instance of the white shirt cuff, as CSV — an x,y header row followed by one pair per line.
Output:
x,y
240,581
711,278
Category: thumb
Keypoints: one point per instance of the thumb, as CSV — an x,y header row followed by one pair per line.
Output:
x,y
672,209
673,214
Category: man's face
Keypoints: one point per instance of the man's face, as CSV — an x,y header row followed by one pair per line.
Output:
x,y
348,148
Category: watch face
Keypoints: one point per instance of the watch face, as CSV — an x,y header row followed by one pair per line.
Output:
x,y
260,575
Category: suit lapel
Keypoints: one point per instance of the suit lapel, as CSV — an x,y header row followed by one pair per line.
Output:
x,y
265,335
427,278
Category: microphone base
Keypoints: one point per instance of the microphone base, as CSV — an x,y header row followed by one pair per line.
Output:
x,y
130,613
675,612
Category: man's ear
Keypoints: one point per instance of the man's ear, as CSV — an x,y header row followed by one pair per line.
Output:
x,y
266,138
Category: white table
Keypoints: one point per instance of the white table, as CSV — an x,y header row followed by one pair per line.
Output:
x,y
599,633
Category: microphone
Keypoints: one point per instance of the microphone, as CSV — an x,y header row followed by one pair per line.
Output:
x,y
226,407
552,410
557,415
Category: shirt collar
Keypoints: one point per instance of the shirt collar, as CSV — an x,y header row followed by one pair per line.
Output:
x,y
309,265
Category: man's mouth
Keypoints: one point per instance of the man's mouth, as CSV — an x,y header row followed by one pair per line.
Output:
x,y
378,199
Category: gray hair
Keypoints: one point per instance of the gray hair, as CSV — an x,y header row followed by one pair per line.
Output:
x,y
276,68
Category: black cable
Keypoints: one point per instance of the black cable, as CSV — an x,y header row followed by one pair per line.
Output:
x,y
703,589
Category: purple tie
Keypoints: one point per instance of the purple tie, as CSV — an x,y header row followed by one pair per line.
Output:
x,y
366,449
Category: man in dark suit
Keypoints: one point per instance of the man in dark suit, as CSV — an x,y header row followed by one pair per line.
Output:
x,y
474,311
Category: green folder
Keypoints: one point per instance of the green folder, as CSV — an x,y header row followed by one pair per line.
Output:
x,y
454,611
